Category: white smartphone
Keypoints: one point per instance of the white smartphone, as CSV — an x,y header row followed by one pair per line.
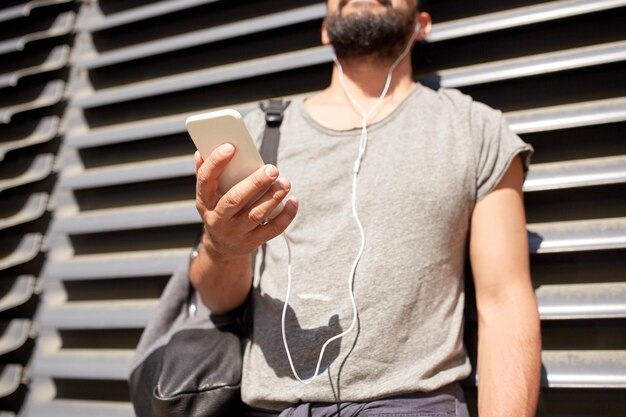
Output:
x,y
210,130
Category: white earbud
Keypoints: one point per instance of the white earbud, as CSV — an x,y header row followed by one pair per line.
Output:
x,y
417,28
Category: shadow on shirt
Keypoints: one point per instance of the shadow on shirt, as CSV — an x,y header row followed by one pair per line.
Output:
x,y
304,344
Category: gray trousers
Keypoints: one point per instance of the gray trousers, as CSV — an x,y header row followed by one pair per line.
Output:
x,y
447,401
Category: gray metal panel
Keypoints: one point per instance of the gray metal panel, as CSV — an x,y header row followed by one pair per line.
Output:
x,y
23,10
568,116
50,95
582,301
33,209
80,408
579,173
63,25
579,235
142,129
117,265
180,212
201,37
94,22
57,59
39,169
84,364
22,290
10,379
27,249
15,335
522,16
534,65
116,314
137,172
585,369
201,78
45,131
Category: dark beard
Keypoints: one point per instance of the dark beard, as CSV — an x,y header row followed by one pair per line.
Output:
x,y
360,35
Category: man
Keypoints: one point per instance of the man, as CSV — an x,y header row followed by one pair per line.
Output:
x,y
438,174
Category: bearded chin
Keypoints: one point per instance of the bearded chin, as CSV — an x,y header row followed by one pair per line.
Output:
x,y
362,35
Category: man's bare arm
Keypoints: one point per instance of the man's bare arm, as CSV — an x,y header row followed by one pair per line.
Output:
x,y
509,341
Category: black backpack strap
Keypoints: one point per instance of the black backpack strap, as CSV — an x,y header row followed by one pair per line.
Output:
x,y
274,110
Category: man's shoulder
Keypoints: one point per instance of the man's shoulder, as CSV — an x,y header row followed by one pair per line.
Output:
x,y
459,103
449,97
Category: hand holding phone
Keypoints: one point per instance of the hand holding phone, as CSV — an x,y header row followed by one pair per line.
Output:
x,y
210,130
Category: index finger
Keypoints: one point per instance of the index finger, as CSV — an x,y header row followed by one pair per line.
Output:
x,y
208,172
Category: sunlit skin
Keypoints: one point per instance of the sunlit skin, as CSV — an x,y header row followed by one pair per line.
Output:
x,y
509,339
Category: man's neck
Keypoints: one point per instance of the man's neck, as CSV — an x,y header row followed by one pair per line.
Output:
x,y
365,80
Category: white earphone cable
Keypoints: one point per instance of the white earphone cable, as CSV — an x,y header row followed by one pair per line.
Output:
x,y
355,173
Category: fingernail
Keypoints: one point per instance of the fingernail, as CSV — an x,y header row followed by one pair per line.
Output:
x,y
227,149
284,183
271,171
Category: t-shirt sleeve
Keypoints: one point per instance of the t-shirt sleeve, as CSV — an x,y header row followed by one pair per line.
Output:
x,y
495,148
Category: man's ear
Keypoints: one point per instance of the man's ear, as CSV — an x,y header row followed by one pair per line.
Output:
x,y
325,38
423,19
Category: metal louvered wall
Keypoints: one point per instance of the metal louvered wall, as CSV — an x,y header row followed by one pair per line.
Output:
x,y
35,42
123,213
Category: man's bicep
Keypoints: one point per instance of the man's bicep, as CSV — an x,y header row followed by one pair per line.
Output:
x,y
498,239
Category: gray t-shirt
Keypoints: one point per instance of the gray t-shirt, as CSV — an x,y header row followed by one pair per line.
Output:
x,y
426,166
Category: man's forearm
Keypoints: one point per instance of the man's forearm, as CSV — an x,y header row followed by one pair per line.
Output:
x,y
509,357
223,284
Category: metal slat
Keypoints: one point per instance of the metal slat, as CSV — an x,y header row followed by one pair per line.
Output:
x,y
10,379
568,116
202,37
105,364
57,59
582,301
20,292
80,408
33,209
579,235
579,173
39,169
110,314
581,369
62,25
154,215
95,22
26,250
50,95
522,16
130,173
205,77
45,131
534,65
15,335
24,10
143,129
585,369
117,265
